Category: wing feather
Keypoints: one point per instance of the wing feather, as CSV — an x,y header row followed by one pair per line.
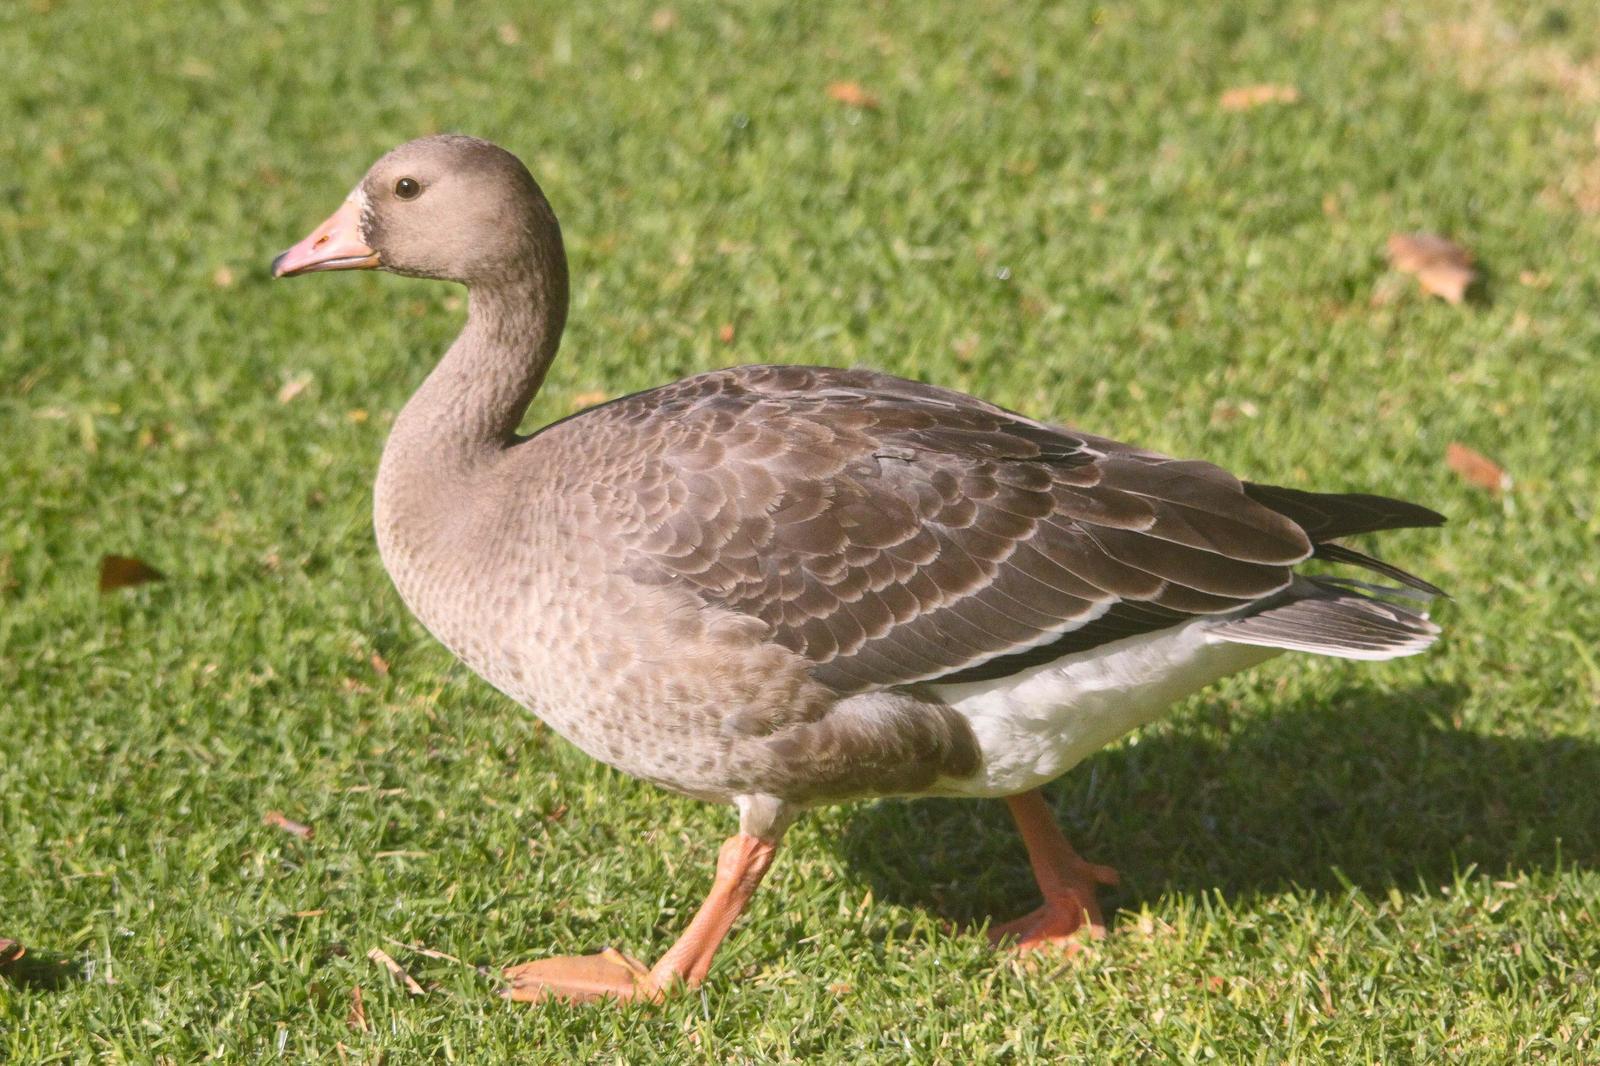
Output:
x,y
892,532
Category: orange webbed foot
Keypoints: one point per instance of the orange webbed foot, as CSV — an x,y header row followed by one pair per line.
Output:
x,y
1064,925
1070,916
610,974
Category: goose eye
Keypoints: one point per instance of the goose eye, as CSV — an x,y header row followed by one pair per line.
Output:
x,y
407,188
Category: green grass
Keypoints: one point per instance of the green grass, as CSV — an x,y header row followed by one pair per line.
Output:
x,y
1322,861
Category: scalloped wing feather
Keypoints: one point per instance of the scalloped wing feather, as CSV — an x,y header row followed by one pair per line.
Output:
x,y
893,532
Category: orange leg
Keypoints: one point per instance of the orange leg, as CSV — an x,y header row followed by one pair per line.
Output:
x,y
741,863
1066,879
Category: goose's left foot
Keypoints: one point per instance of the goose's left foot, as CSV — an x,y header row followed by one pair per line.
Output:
x,y
610,974
741,864
1069,883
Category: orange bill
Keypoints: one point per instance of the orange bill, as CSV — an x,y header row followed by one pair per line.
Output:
x,y
334,245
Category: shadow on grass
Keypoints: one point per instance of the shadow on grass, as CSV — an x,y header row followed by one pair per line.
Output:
x,y
48,971
1377,790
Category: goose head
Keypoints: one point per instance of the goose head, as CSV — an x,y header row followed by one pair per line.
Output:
x,y
449,207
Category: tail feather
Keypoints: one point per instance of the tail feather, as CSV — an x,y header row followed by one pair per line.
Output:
x,y
1332,619
1327,516
1331,515
1340,553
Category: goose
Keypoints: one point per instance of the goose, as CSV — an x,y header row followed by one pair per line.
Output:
x,y
775,586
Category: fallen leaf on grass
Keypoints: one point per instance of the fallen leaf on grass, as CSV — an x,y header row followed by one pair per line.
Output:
x,y
10,951
588,399
851,94
1476,468
124,571
381,957
357,1018
429,952
380,665
223,277
1246,97
278,820
663,19
1225,411
1442,267
725,333
293,387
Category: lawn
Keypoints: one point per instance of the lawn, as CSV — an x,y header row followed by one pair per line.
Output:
x,y
1047,205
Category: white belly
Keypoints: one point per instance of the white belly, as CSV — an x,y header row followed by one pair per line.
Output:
x,y
1036,725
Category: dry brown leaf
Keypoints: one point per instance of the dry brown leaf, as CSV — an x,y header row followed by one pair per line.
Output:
x,y
429,952
10,951
357,1018
663,19
1442,267
589,399
1476,468
1225,411
293,387
725,333
223,277
124,571
852,94
508,34
380,665
1245,97
381,957
278,820
358,415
